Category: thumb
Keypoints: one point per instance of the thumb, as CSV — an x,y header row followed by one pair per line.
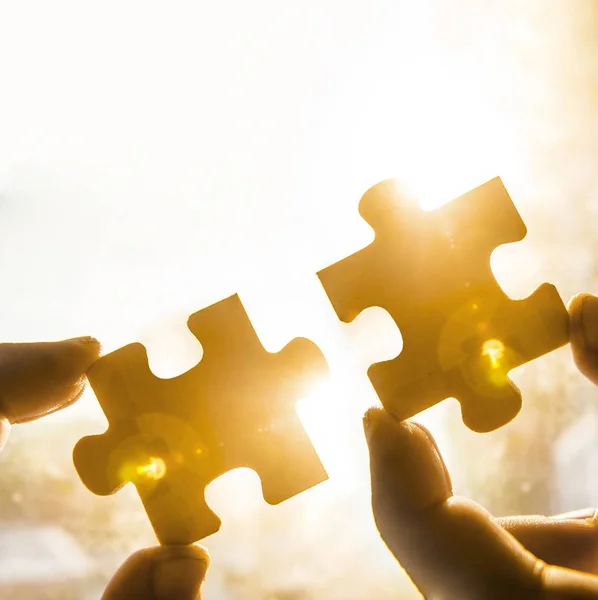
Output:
x,y
161,573
449,546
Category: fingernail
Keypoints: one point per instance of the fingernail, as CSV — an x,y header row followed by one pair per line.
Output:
x,y
88,343
583,513
405,462
589,319
4,431
85,339
179,578
379,424
82,351
367,420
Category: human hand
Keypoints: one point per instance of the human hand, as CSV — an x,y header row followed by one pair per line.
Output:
x,y
38,379
451,547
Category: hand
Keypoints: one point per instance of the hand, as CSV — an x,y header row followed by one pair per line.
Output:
x,y
454,549
38,379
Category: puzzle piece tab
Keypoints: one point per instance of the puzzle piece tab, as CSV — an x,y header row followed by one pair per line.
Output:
x,y
172,437
461,332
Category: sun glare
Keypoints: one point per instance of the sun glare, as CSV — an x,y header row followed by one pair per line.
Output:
x,y
330,422
155,468
446,135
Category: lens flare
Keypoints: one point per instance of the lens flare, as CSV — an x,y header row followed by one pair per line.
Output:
x,y
494,350
155,468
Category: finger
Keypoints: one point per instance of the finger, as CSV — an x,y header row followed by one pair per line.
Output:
x,y
37,379
569,540
583,319
160,573
449,546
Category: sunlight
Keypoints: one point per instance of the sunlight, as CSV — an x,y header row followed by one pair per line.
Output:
x,y
446,136
334,428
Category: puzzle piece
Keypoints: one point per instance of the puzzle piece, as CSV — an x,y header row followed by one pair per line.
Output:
x,y
461,332
172,437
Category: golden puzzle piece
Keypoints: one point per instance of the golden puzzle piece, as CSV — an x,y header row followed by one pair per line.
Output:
x,y
172,437
461,333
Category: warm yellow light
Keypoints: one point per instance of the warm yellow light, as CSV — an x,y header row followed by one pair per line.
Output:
x,y
333,422
155,468
494,350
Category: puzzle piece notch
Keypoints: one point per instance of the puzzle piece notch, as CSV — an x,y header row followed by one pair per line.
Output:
x,y
235,408
430,270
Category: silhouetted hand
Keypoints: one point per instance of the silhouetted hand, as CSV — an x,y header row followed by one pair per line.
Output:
x,y
454,549
38,379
